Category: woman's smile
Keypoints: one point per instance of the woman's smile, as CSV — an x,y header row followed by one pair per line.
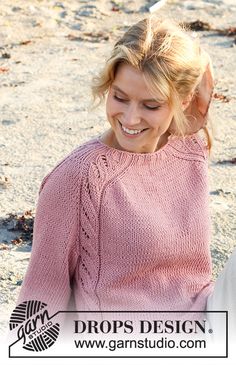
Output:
x,y
131,133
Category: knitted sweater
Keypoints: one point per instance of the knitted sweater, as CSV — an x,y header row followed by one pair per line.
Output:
x,y
123,230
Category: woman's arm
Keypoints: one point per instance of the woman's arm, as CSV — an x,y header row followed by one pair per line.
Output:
x,y
55,240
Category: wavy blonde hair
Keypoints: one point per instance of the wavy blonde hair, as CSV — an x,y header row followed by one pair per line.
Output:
x,y
169,58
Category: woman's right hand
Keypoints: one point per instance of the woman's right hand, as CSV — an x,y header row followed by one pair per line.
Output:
x,y
197,111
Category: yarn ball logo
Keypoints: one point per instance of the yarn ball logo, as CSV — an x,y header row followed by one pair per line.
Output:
x,y
34,325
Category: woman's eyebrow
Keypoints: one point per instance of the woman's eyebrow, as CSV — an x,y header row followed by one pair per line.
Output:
x,y
115,87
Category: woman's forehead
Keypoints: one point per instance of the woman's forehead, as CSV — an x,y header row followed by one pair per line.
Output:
x,y
132,82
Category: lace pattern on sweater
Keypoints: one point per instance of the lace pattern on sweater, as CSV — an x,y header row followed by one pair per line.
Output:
x,y
190,148
98,170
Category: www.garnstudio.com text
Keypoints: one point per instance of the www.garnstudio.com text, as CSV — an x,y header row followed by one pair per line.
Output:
x,y
162,343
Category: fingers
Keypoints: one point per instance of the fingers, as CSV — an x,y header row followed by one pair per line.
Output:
x,y
204,91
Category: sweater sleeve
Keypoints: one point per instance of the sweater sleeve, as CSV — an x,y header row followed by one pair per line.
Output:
x,y
55,240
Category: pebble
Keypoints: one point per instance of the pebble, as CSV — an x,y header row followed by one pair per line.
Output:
x,y
76,26
8,122
59,5
219,192
6,55
218,2
12,278
87,10
16,8
4,182
63,14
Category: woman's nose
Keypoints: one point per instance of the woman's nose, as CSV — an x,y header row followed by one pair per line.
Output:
x,y
131,116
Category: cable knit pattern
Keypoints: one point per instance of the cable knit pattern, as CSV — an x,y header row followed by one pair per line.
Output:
x,y
123,230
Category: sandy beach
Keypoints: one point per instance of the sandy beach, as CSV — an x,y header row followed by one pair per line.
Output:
x,y
49,51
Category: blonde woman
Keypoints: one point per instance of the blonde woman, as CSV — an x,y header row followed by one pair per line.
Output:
x,y
123,222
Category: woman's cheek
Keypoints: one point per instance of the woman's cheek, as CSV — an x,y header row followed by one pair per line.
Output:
x,y
115,108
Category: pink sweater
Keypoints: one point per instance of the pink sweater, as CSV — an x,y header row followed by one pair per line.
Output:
x,y
123,231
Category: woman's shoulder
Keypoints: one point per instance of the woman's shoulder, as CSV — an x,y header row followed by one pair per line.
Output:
x,y
191,147
87,159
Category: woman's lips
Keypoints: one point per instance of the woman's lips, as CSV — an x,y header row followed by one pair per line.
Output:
x,y
131,135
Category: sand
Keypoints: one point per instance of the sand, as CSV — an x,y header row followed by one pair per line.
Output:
x,y
50,51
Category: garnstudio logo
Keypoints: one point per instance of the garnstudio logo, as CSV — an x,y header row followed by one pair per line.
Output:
x,y
34,326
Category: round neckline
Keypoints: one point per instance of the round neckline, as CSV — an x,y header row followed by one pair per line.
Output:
x,y
139,154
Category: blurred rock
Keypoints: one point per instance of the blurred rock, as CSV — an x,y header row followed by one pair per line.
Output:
x,y
8,122
6,55
87,11
59,5
4,182
16,8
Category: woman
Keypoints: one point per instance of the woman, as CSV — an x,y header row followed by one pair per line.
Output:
x,y
123,222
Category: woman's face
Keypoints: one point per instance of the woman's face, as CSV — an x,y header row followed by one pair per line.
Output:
x,y
138,119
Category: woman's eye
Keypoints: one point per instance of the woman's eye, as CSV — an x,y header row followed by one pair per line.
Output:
x,y
117,98
121,100
152,107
